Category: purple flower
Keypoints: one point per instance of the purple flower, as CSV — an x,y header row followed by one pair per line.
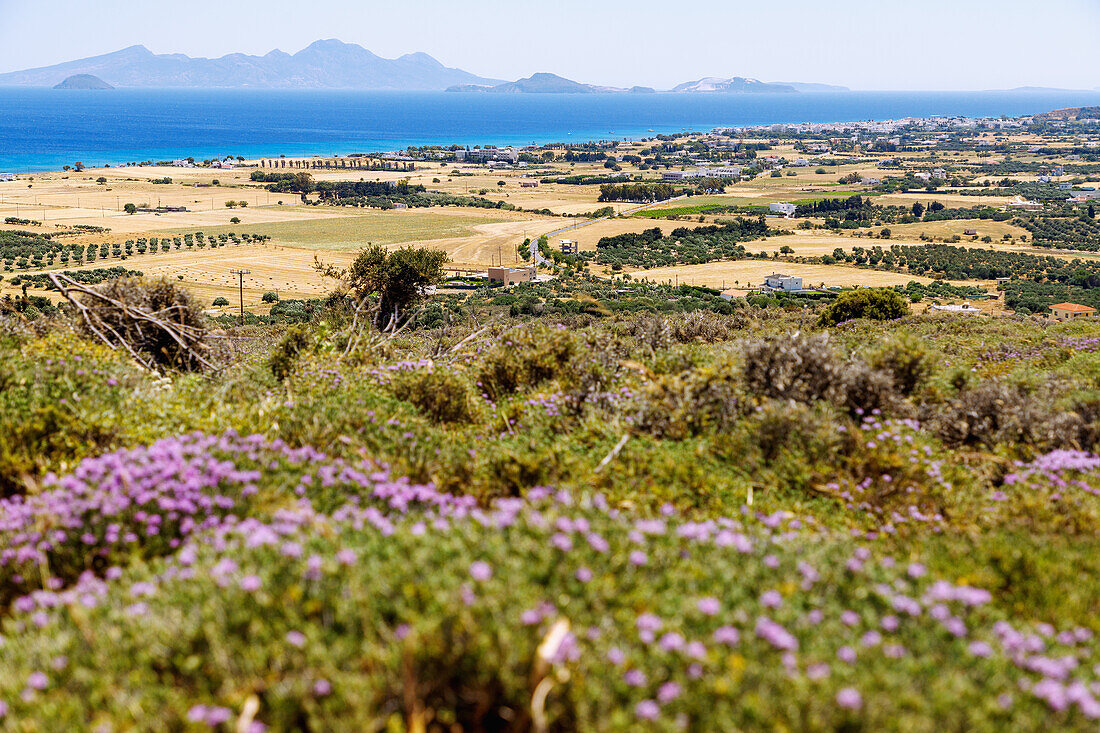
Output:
x,y
775,634
916,570
296,638
771,599
846,654
980,649
480,571
668,692
635,678
322,687
638,558
584,574
251,583
849,699
671,642
647,710
615,656
709,606
37,681
727,635
346,556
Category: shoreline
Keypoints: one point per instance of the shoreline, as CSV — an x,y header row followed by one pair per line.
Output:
x,y
46,134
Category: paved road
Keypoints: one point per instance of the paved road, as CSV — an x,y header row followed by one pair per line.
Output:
x,y
537,257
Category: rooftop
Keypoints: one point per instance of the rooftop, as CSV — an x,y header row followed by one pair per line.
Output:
x,y
1073,307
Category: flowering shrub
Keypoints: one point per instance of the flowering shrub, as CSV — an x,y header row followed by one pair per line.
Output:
x,y
405,607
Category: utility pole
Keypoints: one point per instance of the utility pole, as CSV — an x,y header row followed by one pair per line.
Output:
x,y
240,274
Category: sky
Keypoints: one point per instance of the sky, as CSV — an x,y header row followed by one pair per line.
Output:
x,y
862,44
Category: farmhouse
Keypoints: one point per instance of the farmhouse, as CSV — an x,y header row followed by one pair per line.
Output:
x,y
512,275
568,246
1024,205
528,184
1068,311
782,207
965,309
787,283
7,176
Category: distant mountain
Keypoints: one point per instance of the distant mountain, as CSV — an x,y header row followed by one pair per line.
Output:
x,y
540,83
329,64
642,90
83,81
736,84
801,86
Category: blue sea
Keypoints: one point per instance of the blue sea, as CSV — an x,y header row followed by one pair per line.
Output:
x,y
44,129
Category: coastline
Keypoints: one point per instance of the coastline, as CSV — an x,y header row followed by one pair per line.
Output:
x,y
46,129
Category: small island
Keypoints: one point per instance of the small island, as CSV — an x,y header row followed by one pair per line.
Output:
x,y
83,81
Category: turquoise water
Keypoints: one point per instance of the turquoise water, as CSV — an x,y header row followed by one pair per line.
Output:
x,y
43,129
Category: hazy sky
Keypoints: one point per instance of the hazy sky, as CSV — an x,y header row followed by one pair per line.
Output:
x,y
864,44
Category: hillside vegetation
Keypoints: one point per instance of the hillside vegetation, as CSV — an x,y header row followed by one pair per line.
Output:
x,y
670,517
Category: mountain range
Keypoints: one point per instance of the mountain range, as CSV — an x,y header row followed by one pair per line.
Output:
x,y
333,64
330,64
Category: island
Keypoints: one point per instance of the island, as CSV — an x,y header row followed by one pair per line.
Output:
x,y
83,81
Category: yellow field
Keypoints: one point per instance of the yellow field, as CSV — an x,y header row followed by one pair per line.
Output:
x,y
751,273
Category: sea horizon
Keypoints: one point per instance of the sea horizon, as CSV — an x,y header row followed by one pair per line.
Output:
x,y
46,129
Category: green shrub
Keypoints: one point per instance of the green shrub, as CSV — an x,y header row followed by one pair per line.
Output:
x,y
441,395
877,304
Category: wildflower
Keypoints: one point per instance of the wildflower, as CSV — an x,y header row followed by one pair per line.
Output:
x,y
849,699
251,583
709,606
480,571
775,634
727,635
671,642
817,671
846,654
980,649
584,574
37,681
616,656
638,558
322,687
668,692
635,678
346,556
771,599
916,570
296,638
647,710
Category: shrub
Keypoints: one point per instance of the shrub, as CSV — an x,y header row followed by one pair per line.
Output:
x,y
220,301
877,304
163,298
282,359
270,297
442,395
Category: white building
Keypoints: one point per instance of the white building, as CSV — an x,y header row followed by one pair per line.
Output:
x,y
782,207
7,176
787,283
965,309
481,155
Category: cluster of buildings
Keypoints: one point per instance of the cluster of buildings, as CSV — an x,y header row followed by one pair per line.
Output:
x,y
484,155
731,171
